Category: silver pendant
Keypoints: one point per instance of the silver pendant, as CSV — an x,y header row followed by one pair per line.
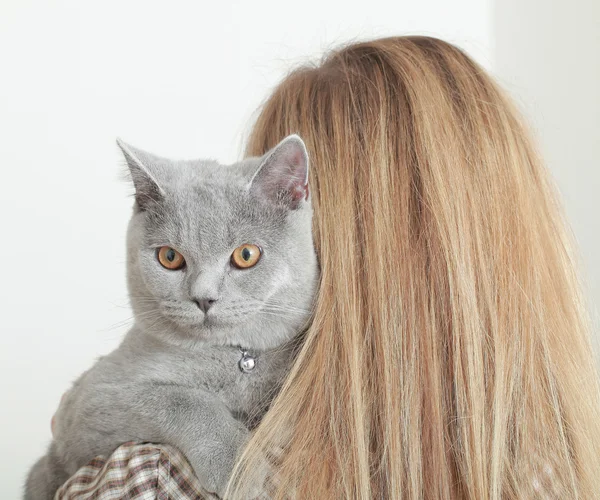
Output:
x,y
247,363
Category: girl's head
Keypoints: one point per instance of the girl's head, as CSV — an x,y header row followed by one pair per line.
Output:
x,y
448,356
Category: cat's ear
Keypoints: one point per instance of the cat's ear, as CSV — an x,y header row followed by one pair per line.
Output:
x,y
147,189
282,177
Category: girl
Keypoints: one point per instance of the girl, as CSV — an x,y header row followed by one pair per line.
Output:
x,y
449,354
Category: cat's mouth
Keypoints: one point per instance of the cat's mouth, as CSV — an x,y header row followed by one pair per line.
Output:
x,y
195,321
203,322
209,320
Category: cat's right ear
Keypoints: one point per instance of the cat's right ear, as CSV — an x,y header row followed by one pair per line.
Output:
x,y
147,189
282,177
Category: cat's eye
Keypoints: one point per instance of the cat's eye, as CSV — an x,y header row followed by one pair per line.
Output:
x,y
170,258
246,256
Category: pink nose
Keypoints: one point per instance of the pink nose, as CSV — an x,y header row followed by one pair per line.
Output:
x,y
204,304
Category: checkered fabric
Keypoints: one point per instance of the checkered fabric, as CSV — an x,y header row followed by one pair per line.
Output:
x,y
152,471
135,472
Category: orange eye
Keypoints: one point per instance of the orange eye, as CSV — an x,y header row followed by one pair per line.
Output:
x,y
246,256
170,258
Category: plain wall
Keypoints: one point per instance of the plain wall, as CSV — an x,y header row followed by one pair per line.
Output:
x,y
181,79
547,54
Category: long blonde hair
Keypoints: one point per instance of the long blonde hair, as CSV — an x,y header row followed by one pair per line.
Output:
x,y
449,355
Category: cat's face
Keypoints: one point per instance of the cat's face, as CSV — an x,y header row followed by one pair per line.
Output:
x,y
222,254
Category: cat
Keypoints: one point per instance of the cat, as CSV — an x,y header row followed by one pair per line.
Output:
x,y
222,274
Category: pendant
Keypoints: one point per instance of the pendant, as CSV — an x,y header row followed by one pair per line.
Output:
x,y
247,363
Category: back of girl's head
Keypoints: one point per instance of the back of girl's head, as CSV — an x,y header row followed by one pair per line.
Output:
x,y
449,355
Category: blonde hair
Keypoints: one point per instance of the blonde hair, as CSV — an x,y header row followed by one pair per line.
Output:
x,y
449,355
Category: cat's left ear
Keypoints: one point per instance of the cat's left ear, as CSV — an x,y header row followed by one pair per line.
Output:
x,y
144,169
282,177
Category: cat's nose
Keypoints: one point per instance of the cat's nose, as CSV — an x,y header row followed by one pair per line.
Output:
x,y
204,304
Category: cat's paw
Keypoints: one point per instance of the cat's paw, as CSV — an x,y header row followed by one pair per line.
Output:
x,y
264,480
259,487
213,464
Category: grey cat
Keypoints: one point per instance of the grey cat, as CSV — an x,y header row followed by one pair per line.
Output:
x,y
220,260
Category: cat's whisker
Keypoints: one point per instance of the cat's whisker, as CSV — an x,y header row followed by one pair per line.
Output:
x,y
145,316
282,305
160,322
286,309
277,314
118,325
131,320
276,305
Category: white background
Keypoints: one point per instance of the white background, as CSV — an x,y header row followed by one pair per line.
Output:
x,y
183,79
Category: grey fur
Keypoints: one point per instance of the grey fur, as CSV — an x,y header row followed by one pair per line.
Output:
x,y
174,379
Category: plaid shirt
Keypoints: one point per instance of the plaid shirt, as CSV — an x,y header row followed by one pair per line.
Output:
x,y
151,471
135,472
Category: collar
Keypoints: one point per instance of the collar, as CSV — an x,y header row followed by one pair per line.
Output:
x,y
247,362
